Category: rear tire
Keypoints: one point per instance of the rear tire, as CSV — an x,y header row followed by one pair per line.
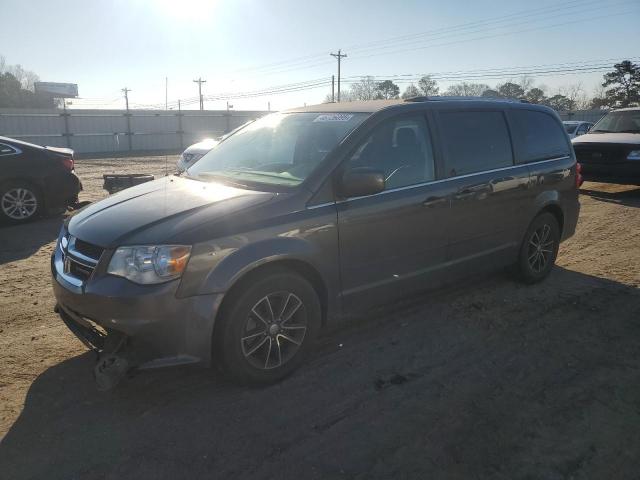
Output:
x,y
20,202
539,249
268,327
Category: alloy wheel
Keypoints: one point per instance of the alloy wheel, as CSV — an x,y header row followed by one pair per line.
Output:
x,y
540,248
274,330
19,203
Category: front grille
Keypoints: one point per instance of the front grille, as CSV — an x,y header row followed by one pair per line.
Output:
x,y
77,269
79,258
88,249
599,153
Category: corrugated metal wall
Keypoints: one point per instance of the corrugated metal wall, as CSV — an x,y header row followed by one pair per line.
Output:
x,y
109,131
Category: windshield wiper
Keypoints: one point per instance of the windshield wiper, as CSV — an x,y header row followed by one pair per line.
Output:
x,y
628,131
599,130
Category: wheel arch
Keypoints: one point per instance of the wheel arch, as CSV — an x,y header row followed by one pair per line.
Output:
x,y
549,201
555,210
301,267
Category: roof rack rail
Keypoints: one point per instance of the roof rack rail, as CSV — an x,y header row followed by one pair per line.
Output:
x,y
436,98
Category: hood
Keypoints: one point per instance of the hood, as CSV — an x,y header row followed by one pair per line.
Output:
x,y
159,211
620,138
202,147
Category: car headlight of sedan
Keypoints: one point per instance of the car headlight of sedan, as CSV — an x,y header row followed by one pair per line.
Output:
x,y
634,155
149,264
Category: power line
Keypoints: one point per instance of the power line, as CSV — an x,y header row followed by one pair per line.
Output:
x,y
501,34
309,61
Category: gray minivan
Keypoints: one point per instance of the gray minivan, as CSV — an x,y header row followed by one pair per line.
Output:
x,y
307,214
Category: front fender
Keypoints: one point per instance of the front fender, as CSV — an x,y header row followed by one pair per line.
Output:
x,y
241,261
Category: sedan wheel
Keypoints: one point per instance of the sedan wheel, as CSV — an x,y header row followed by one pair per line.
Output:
x,y
19,203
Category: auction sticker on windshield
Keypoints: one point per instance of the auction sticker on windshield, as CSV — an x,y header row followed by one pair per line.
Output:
x,y
334,117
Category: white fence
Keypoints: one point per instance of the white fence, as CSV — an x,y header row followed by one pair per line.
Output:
x,y
114,131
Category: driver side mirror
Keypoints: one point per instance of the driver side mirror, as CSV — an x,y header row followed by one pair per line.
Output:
x,y
361,181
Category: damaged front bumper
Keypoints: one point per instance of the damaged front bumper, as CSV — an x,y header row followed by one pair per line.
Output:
x,y
149,326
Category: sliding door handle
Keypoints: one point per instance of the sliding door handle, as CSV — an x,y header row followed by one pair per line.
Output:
x,y
434,201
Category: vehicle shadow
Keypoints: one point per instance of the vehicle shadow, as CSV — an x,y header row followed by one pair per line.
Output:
x,y
480,382
22,241
629,198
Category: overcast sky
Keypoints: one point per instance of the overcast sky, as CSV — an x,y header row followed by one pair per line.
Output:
x,y
105,45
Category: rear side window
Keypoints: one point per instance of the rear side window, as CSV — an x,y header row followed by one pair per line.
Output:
x,y
537,136
6,149
475,141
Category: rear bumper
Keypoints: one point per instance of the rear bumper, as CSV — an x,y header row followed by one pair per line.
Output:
x,y
571,214
62,191
159,329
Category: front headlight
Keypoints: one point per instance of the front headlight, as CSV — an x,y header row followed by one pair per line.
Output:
x,y
634,155
148,264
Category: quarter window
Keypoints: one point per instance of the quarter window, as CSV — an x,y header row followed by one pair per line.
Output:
x,y
537,136
475,141
401,149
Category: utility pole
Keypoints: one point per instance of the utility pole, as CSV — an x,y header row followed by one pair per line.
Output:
x,y
339,56
199,81
126,91
333,88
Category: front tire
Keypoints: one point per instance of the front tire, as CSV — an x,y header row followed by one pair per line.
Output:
x,y
20,202
268,327
539,249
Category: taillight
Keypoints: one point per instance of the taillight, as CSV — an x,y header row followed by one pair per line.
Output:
x,y
579,180
67,163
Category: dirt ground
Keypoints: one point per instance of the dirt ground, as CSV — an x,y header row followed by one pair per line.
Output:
x,y
491,379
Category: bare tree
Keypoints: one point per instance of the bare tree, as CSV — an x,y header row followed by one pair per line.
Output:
x,y
428,85
26,77
365,89
466,89
575,93
410,92
3,63
525,82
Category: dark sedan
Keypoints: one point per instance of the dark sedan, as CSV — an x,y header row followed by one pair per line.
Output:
x,y
35,180
610,152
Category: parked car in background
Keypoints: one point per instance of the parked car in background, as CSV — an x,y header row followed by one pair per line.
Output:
x,y
194,153
576,128
610,152
34,180
309,214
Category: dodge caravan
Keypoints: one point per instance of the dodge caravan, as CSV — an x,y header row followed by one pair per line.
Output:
x,y
304,215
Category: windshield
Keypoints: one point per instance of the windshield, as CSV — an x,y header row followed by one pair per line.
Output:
x,y
279,149
619,122
570,127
